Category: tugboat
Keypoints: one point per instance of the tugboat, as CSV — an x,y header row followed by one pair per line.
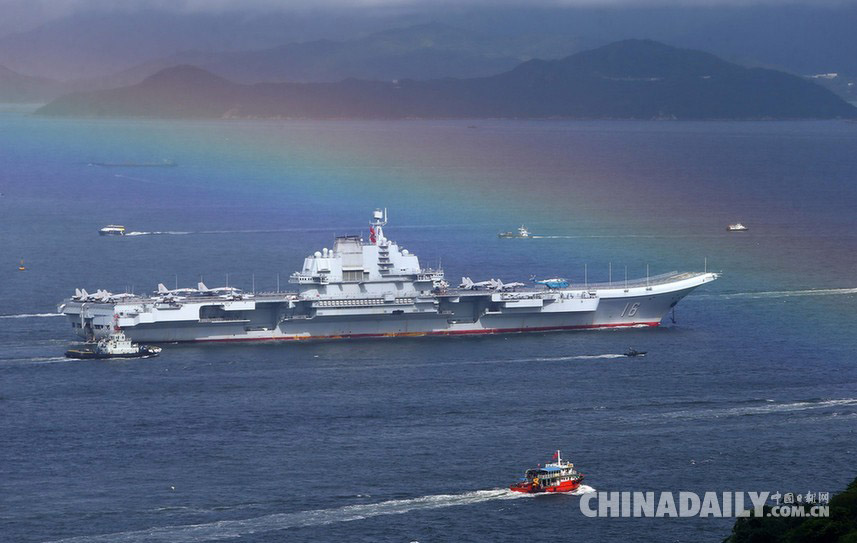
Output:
x,y
558,476
521,233
112,230
737,227
115,345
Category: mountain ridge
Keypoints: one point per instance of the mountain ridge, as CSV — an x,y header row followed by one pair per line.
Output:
x,y
424,51
630,79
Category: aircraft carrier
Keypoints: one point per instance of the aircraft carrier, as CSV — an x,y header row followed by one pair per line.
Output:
x,y
375,288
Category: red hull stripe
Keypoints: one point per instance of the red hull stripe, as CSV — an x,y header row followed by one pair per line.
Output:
x,y
437,333
569,486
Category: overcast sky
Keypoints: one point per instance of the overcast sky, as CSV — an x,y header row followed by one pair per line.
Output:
x,y
51,8
18,15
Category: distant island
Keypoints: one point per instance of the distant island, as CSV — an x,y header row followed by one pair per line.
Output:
x,y
631,79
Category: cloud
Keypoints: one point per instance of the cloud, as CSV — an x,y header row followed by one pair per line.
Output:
x,y
23,14
64,7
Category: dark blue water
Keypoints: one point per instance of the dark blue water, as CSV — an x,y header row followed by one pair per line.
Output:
x,y
753,389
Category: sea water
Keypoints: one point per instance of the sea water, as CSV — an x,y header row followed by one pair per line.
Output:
x,y
753,388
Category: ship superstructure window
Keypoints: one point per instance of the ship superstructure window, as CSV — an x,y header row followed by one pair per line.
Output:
x,y
352,275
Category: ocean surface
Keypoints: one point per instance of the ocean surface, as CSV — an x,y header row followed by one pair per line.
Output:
x,y
754,388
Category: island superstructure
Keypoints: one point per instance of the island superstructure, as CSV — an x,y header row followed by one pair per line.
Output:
x,y
375,288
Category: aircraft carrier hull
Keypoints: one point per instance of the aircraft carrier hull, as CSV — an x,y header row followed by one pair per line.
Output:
x,y
283,317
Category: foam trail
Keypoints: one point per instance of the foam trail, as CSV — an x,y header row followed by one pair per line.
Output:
x,y
578,357
353,367
31,316
771,408
267,231
35,360
157,233
597,356
795,406
233,529
623,236
139,179
210,232
776,294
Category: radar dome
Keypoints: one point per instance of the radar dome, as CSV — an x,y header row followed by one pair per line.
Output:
x,y
318,254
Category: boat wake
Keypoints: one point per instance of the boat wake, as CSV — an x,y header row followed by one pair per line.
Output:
x,y
34,360
579,357
776,294
211,232
157,233
31,316
770,408
234,529
581,490
621,236
271,230
459,363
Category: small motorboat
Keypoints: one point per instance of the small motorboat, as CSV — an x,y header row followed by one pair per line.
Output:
x,y
21,266
634,352
115,345
558,476
521,233
112,230
737,227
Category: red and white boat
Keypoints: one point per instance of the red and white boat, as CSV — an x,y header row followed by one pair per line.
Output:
x,y
558,476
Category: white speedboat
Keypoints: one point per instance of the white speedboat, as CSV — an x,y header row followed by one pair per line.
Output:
x,y
521,233
737,227
112,230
